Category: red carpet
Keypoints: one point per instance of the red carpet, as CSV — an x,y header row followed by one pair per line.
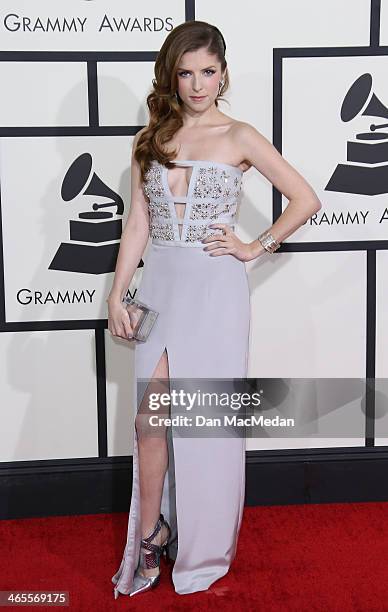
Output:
x,y
329,557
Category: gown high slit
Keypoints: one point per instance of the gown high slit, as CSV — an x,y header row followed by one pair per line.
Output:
x,y
203,303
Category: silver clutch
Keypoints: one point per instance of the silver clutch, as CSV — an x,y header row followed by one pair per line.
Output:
x,y
142,318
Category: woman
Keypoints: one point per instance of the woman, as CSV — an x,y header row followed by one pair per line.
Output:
x,y
187,168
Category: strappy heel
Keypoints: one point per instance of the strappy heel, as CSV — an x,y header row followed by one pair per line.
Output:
x,y
151,559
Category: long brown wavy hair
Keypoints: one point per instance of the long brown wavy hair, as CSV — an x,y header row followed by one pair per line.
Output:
x,y
165,108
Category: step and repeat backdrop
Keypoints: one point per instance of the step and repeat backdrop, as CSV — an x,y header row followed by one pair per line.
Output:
x,y
311,77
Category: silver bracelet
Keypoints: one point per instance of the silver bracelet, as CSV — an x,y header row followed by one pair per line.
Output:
x,y
268,242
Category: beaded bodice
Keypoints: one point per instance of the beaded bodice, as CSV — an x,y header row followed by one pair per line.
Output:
x,y
212,197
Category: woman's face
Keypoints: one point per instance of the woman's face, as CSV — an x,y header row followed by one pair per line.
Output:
x,y
198,76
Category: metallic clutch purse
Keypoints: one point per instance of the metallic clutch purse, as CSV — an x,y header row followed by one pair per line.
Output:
x,y
142,318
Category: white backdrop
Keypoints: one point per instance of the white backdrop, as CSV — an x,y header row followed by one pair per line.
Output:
x,y
80,90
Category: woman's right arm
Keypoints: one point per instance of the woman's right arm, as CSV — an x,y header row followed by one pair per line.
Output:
x,y
132,245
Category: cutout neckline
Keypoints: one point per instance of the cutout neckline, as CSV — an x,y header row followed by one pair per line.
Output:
x,y
195,162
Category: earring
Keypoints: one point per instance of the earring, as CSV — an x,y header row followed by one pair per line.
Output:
x,y
221,85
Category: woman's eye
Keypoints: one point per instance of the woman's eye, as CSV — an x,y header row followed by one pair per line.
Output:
x,y
187,72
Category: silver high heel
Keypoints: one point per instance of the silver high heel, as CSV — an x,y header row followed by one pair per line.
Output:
x,y
152,559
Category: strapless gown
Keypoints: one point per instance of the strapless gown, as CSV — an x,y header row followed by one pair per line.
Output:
x,y
204,321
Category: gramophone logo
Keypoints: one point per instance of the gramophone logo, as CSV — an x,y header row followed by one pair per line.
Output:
x,y
97,231
366,169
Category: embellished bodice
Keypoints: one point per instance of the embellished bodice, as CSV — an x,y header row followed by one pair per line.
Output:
x,y
212,197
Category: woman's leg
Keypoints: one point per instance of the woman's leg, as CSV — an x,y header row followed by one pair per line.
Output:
x,y
153,457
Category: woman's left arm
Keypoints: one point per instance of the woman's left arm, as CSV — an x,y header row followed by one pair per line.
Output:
x,y
303,201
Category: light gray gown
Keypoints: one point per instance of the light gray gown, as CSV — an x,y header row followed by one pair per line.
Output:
x,y
204,317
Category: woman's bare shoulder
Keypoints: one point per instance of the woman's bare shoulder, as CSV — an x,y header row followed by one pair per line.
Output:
x,y
248,140
240,133
243,128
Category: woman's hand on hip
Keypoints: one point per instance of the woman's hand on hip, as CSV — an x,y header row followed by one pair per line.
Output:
x,y
228,243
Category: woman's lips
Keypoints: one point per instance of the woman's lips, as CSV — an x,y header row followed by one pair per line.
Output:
x,y
197,98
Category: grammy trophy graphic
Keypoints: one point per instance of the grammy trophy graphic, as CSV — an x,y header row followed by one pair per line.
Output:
x,y
95,236
369,149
